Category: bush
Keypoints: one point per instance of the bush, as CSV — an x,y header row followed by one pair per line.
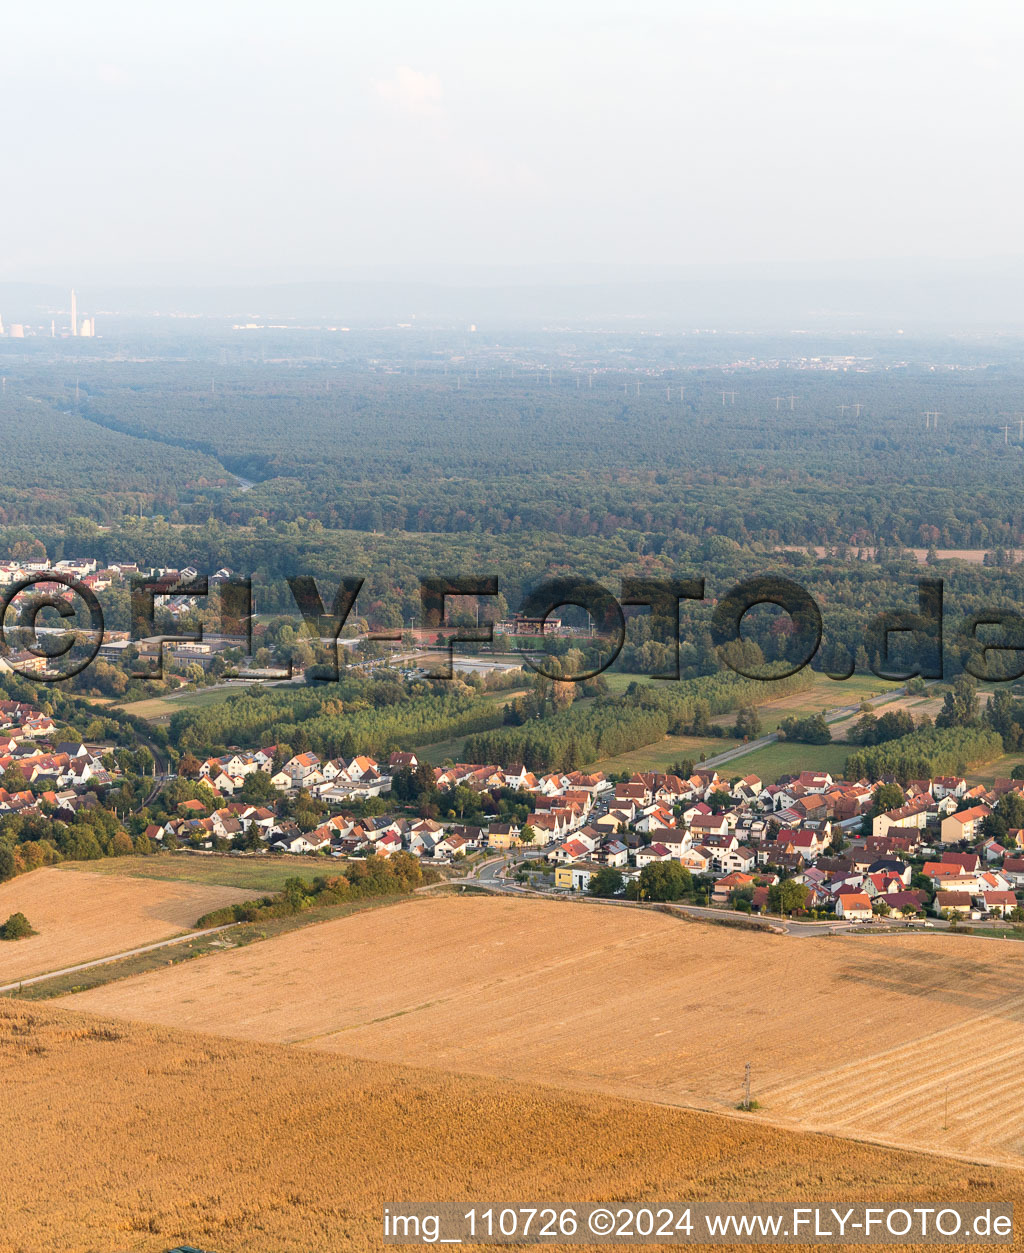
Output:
x,y
17,927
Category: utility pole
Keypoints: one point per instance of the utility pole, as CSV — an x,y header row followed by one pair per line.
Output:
x,y
1017,417
731,395
792,402
746,1086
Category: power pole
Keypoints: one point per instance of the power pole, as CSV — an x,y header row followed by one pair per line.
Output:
x,y
746,1086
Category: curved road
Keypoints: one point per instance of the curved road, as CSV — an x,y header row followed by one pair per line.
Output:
x,y
488,875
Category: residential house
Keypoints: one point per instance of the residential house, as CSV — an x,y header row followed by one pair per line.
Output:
x,y
854,906
966,825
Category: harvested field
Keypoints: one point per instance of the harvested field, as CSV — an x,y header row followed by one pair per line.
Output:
x,y
81,916
246,1148
664,753
860,1035
825,694
918,706
973,556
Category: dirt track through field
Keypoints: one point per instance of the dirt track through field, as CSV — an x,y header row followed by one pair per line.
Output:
x,y
862,1036
82,916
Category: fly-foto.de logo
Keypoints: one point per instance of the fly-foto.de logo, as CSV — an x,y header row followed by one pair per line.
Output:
x,y
48,654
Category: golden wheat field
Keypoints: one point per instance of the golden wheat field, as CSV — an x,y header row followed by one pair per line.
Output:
x,y
83,916
121,1138
863,1036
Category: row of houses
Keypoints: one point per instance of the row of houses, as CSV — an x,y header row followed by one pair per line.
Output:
x,y
756,837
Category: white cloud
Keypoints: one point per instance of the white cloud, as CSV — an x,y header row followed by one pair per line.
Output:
x,y
411,91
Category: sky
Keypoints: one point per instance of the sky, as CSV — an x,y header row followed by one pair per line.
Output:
x,y
242,140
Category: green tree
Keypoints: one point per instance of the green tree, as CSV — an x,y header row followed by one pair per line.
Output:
x,y
888,796
812,730
960,704
787,896
257,789
664,881
607,882
294,893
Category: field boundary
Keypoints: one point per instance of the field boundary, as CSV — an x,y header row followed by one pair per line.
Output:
x,y
114,957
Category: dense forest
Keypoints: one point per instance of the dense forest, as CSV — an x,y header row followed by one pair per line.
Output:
x,y
579,735
618,457
662,455
556,728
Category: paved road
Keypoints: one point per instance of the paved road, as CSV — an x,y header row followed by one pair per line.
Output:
x,y
488,874
102,961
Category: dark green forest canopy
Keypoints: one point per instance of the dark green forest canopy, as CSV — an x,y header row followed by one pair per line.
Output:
x,y
380,452
602,469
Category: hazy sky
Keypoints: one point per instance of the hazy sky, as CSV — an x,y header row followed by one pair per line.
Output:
x,y
236,138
